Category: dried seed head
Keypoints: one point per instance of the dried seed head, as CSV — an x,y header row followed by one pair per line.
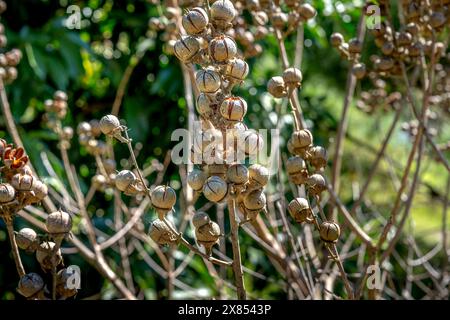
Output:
x,y
125,179
359,70
161,233
195,21
301,139
222,48
215,189
250,142
44,255
329,231
26,239
163,198
208,80
200,219
7,193
307,11
22,182
64,278
233,108
196,179
292,77
30,285
279,19
208,235
337,39
237,69
84,128
296,168
316,184
186,48
203,104
109,124
255,200
40,190
238,174
258,175
354,46
58,222
276,87
299,210
318,157
222,12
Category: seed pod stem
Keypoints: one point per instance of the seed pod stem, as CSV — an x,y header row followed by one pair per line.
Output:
x,y
14,247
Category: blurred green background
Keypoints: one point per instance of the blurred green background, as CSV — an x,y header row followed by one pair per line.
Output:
x,y
89,63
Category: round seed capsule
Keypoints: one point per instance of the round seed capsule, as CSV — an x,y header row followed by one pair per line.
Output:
x,y
196,179
208,235
316,184
109,124
163,197
258,175
307,11
195,21
222,48
255,200
299,209
222,12
44,254
161,233
208,80
233,108
318,157
186,48
215,189
302,138
250,142
58,222
292,77
200,219
276,87
7,193
30,285
26,239
329,231
238,174
203,104
337,39
22,182
296,168
124,179
237,69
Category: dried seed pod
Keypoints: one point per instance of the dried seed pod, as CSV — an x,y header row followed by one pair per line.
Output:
x,y
238,174
208,80
27,239
99,181
161,233
258,176
109,124
195,21
437,19
7,193
44,255
215,189
296,168
124,179
254,202
329,231
200,219
237,69
250,142
279,19
84,128
354,46
300,140
95,127
22,182
163,199
359,70
64,288
222,13
186,48
316,184
208,235
318,157
276,87
196,179
404,38
58,222
307,11
233,108
337,39
203,104
222,48
299,210
30,285
292,77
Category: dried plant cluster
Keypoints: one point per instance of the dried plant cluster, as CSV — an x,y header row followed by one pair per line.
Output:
x,y
213,42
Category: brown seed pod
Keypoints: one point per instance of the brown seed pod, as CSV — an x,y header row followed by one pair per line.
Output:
x,y
58,222
222,13
161,233
203,104
238,174
124,179
208,235
109,125
99,182
250,142
329,231
60,95
163,199
30,285
7,193
22,182
200,219
316,184
186,48
404,38
208,80
64,278
255,201
276,87
27,239
354,46
215,189
300,140
318,157
279,19
233,108
336,39
95,127
437,19
222,48
300,210
296,168
196,179
258,176
359,70
195,21
292,77
44,255
237,69
84,128
307,11
67,133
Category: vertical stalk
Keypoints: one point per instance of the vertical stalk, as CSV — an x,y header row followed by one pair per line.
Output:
x,y
14,248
